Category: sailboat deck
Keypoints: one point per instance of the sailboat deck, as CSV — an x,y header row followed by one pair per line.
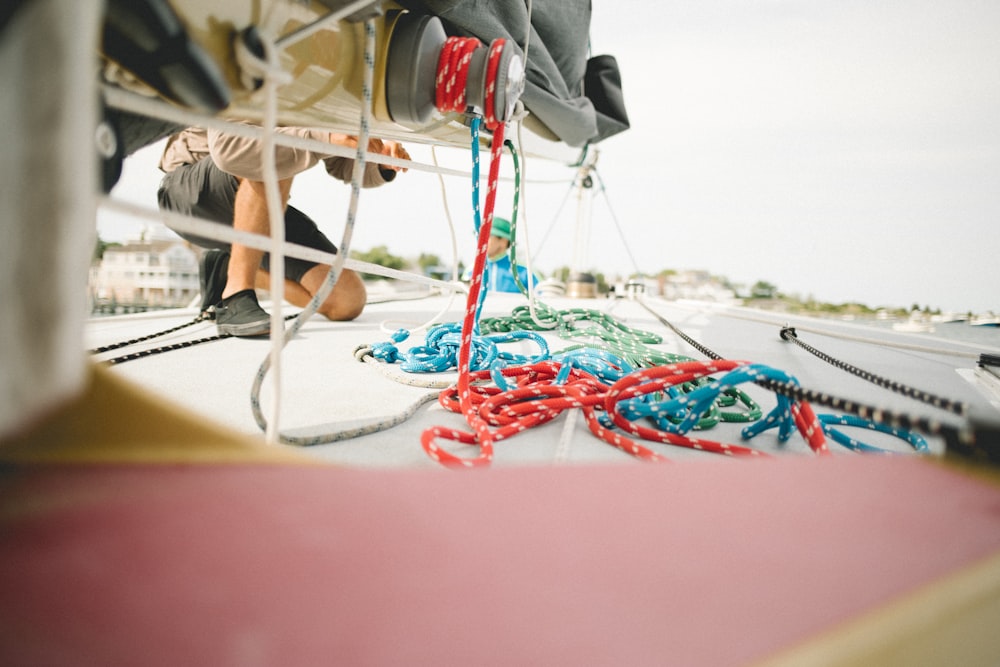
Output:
x,y
327,392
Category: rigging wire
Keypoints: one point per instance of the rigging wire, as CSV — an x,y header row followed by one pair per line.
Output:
x,y
448,218
582,181
614,218
555,218
455,281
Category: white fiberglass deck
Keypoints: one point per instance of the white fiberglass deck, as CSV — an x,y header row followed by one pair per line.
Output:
x,y
327,391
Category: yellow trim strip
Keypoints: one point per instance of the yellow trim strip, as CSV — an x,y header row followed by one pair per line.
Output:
x,y
116,421
953,621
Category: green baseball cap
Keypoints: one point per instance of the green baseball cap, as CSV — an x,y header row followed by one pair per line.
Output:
x,y
501,228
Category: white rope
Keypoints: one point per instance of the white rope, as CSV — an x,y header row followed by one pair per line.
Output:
x,y
519,115
409,379
338,263
273,76
375,426
448,218
532,287
146,106
456,285
225,233
391,326
527,40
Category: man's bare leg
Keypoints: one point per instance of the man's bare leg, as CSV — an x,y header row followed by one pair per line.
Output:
x,y
345,302
250,215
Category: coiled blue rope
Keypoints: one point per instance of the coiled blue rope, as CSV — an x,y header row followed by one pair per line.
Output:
x,y
439,353
915,440
683,411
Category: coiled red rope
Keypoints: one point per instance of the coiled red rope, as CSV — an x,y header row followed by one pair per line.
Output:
x,y
489,101
453,73
450,92
537,400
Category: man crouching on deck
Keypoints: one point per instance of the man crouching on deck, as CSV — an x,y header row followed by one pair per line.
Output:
x,y
219,177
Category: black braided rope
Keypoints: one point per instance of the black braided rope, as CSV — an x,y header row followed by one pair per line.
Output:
x,y
165,348
107,348
687,339
933,427
956,407
952,435
204,317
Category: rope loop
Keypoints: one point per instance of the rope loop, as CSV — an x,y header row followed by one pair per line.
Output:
x,y
492,65
386,352
450,84
453,74
600,363
915,440
439,352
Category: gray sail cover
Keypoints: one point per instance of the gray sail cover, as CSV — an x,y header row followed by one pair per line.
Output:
x,y
579,99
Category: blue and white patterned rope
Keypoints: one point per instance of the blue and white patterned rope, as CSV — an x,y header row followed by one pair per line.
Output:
x,y
828,421
682,412
477,216
439,353
602,364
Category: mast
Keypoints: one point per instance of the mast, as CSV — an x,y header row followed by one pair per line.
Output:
x,y
580,282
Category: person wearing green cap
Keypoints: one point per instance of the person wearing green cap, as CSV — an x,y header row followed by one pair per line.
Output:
x,y
499,271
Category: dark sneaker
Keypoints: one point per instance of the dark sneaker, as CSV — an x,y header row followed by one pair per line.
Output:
x,y
241,315
212,272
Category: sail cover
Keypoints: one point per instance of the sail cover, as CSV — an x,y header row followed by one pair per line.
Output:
x,y
578,99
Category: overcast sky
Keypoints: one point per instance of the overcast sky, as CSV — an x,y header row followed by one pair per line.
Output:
x,y
848,150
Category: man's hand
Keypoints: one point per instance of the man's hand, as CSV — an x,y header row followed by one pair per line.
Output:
x,y
389,148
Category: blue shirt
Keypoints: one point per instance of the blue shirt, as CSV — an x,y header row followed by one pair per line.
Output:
x,y
499,277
